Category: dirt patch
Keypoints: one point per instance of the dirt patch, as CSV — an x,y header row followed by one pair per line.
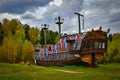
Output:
x,y
67,71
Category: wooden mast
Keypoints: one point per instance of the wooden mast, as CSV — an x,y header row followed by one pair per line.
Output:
x,y
79,22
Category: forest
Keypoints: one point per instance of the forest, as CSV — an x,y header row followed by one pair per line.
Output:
x,y
17,42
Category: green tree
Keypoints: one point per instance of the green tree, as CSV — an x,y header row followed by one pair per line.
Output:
x,y
34,35
27,27
9,49
13,25
1,34
113,51
110,37
28,51
20,32
50,37
42,37
6,27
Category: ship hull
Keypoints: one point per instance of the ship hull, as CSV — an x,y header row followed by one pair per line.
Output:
x,y
88,59
61,59
58,62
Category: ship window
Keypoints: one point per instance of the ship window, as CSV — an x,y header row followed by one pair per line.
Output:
x,y
86,45
96,45
100,44
91,44
103,44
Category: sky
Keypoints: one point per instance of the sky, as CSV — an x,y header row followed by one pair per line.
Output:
x,y
105,13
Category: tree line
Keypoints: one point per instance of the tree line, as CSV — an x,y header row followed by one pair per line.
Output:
x,y
113,51
17,41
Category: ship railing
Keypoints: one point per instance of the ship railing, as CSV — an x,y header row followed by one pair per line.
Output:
x,y
58,56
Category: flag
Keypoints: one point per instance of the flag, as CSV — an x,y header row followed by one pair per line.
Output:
x,y
43,53
51,51
65,44
52,47
60,45
47,52
56,46
39,54
65,39
60,41
55,51
77,37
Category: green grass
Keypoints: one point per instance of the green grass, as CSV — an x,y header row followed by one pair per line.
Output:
x,y
33,72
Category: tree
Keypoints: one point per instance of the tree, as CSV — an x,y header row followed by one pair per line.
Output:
x,y
6,29
9,49
28,51
27,27
42,37
50,37
20,55
110,37
34,35
1,34
13,25
113,51
20,32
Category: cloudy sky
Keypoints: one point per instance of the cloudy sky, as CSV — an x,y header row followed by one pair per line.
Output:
x,y
96,13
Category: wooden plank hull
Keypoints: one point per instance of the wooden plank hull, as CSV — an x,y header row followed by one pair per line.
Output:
x,y
92,58
59,62
61,59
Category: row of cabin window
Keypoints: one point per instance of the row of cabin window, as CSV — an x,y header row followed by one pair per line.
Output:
x,y
94,45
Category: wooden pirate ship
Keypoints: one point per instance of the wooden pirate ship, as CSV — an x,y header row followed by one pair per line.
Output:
x,y
83,48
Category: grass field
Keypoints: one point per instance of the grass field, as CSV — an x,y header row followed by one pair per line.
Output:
x,y
33,72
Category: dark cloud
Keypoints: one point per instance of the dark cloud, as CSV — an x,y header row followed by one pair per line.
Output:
x,y
20,6
102,13
97,13
28,17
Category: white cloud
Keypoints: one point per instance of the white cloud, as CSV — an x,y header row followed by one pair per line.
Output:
x,y
36,13
8,16
56,2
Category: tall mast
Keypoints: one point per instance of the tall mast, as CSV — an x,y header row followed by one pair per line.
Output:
x,y
79,22
59,21
45,27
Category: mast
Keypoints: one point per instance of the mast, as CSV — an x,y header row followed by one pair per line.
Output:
x,y
45,27
59,21
79,22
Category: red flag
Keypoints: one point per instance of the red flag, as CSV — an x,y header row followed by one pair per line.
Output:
x,y
43,53
77,37
51,51
52,47
60,46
